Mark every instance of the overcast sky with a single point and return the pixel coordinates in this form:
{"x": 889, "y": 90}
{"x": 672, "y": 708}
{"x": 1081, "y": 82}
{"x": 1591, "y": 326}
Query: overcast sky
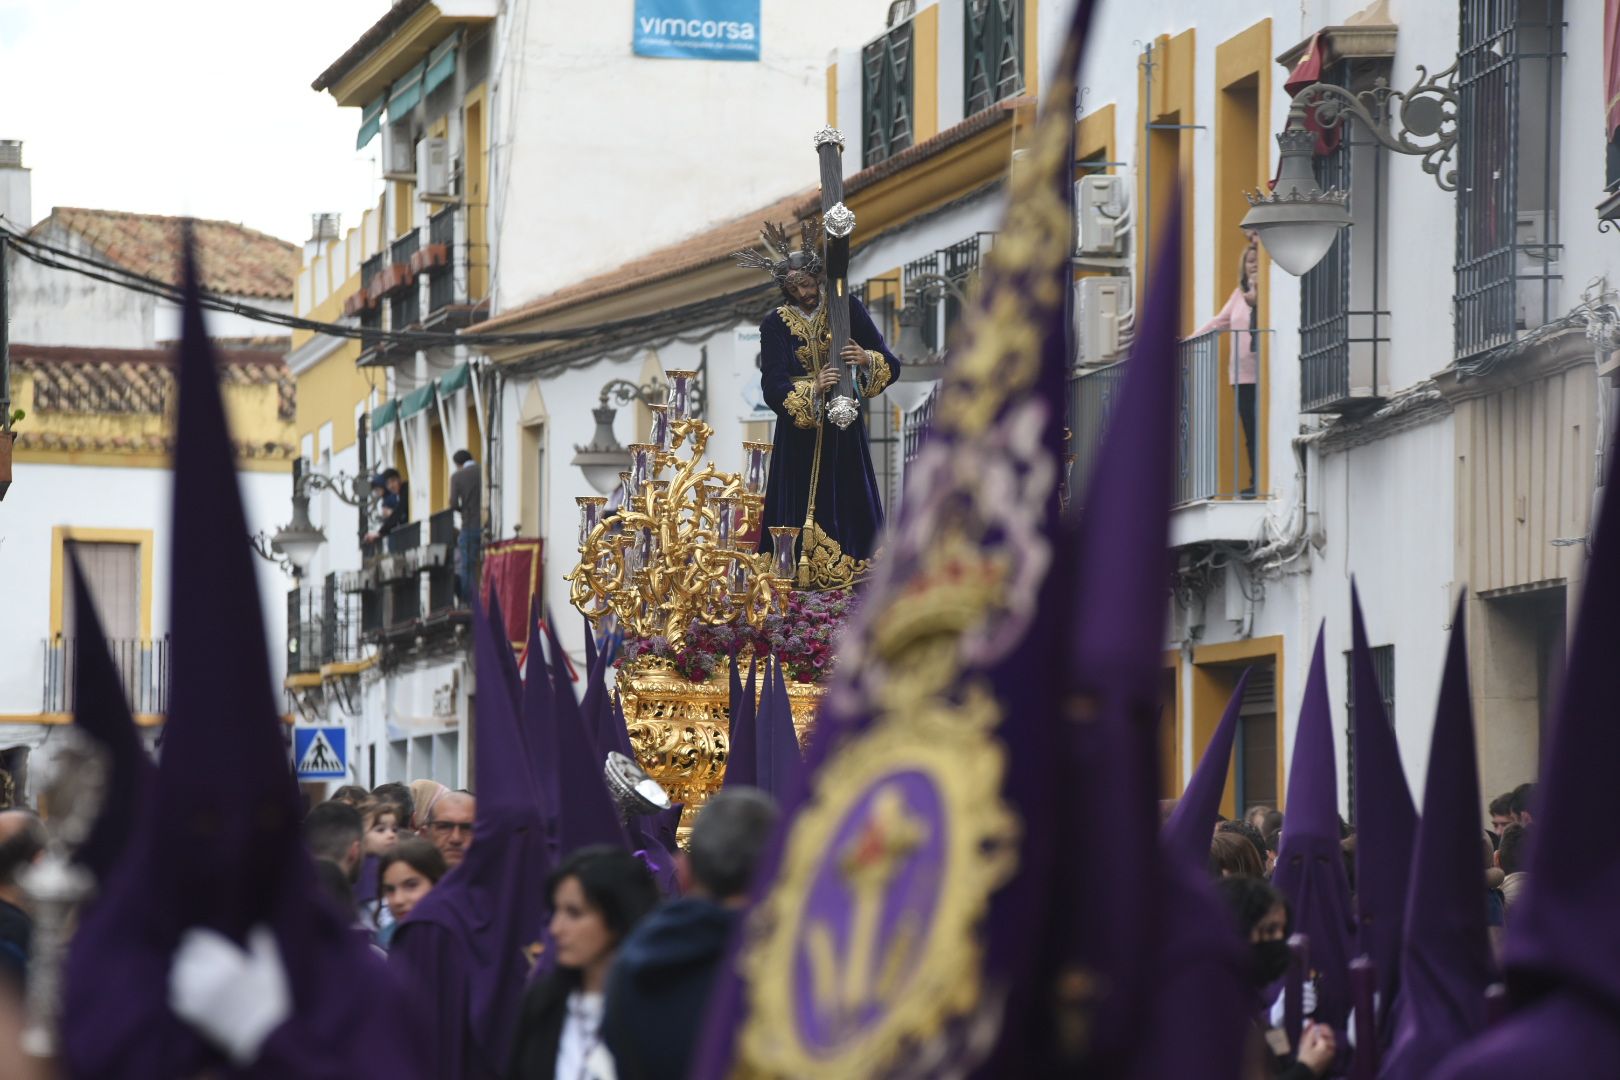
{"x": 198, "y": 107}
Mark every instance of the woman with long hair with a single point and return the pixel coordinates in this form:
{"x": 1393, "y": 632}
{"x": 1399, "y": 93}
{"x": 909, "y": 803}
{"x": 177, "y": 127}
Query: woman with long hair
{"x": 597, "y": 896}
{"x": 405, "y": 874}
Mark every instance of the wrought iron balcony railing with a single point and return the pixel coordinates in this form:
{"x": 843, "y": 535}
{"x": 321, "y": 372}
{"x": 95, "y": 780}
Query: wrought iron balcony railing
{"x": 143, "y": 669}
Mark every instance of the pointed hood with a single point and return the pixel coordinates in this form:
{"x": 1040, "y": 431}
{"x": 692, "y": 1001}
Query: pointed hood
{"x": 742, "y": 754}
{"x": 1310, "y": 862}
{"x": 933, "y": 773}
{"x": 100, "y": 711}
{"x": 1187, "y": 833}
{"x": 1386, "y": 823}
{"x": 1446, "y": 965}
{"x": 1564, "y": 926}
{"x": 490, "y": 910}
{"x": 1562, "y": 955}
{"x": 781, "y": 765}
{"x": 539, "y": 721}
{"x": 588, "y": 813}
{"x": 219, "y": 846}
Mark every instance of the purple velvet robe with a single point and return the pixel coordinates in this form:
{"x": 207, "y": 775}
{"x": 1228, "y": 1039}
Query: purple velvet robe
{"x": 848, "y": 508}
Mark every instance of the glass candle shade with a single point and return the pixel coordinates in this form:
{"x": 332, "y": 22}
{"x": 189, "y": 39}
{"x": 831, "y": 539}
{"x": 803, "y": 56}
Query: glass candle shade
{"x": 680, "y": 394}
{"x": 645, "y": 551}
{"x": 641, "y": 466}
{"x": 624, "y": 489}
{"x": 739, "y": 576}
{"x": 590, "y": 515}
{"x": 783, "y": 540}
{"x": 660, "y": 427}
{"x": 756, "y": 466}
{"x": 727, "y": 509}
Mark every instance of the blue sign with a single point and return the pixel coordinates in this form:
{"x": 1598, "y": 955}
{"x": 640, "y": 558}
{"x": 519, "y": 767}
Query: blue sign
{"x": 321, "y": 753}
{"x": 698, "y": 29}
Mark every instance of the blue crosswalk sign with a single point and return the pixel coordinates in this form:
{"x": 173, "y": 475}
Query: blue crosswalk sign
{"x": 321, "y": 753}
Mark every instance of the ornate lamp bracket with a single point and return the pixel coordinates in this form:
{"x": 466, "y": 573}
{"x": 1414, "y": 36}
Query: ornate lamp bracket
{"x": 1420, "y": 121}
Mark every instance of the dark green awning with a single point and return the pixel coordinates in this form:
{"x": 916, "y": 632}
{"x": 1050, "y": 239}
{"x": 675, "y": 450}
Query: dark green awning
{"x": 455, "y": 380}
{"x": 384, "y": 414}
{"x": 416, "y": 401}
{"x": 371, "y": 121}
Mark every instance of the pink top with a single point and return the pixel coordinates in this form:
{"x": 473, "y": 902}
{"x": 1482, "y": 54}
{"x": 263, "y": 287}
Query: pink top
{"x": 1237, "y": 315}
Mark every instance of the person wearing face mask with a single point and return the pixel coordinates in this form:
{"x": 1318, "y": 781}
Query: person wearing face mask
{"x": 405, "y": 874}
{"x": 1263, "y": 918}
{"x": 598, "y": 895}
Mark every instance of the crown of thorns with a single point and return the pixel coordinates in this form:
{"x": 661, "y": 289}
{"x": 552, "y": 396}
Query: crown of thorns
{"x": 779, "y": 242}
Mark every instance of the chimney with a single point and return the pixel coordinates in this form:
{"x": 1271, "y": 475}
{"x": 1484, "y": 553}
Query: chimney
{"x": 16, "y": 203}
{"x": 323, "y": 229}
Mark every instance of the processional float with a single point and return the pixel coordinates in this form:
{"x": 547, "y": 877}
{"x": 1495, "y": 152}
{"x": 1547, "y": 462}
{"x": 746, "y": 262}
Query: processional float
{"x": 675, "y": 552}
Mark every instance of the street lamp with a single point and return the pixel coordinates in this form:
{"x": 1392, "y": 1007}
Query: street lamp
{"x": 295, "y": 543}
{"x": 920, "y": 366}
{"x": 603, "y": 458}
{"x": 1297, "y": 221}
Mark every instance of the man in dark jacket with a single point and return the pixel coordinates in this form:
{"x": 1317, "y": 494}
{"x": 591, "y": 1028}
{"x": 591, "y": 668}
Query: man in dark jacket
{"x": 659, "y": 988}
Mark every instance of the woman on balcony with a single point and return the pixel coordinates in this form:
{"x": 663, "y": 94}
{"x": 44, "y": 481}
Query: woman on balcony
{"x": 1239, "y": 316}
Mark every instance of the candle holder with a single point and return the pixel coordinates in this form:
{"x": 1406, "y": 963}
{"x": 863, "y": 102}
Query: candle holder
{"x": 756, "y": 467}
{"x": 680, "y": 394}
{"x": 676, "y": 551}
{"x": 783, "y": 540}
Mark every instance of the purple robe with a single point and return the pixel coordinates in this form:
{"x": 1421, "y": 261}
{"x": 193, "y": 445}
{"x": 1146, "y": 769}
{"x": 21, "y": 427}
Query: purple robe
{"x": 216, "y": 844}
{"x": 848, "y": 508}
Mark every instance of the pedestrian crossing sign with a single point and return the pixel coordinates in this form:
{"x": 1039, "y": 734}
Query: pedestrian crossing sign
{"x": 321, "y": 753}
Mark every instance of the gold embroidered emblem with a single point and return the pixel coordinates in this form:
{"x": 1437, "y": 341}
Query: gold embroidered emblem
{"x": 800, "y": 404}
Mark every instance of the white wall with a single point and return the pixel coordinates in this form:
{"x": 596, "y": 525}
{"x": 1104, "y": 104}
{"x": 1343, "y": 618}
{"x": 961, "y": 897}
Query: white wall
{"x": 45, "y": 496}
{"x": 58, "y": 307}
{"x": 603, "y": 156}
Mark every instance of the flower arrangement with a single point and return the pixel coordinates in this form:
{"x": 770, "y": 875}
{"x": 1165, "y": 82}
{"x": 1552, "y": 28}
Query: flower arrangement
{"x": 802, "y": 640}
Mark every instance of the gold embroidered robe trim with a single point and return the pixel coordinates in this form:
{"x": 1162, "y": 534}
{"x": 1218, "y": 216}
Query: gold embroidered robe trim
{"x": 830, "y": 568}
{"x": 800, "y": 403}
{"x": 878, "y": 374}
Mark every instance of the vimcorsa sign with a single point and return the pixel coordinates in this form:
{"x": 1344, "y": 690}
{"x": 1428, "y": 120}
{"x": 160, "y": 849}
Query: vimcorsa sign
{"x": 697, "y": 29}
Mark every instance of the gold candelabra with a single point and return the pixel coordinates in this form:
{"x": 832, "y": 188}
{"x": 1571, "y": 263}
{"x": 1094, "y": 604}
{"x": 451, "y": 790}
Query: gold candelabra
{"x": 678, "y": 546}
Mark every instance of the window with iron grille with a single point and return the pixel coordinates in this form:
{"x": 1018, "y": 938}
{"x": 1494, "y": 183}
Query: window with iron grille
{"x": 920, "y": 293}
{"x": 1509, "y": 76}
{"x": 1383, "y": 662}
{"x": 995, "y": 52}
{"x": 1343, "y": 324}
{"x": 886, "y": 95}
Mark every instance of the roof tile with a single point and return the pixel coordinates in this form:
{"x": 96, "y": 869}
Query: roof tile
{"x": 234, "y": 259}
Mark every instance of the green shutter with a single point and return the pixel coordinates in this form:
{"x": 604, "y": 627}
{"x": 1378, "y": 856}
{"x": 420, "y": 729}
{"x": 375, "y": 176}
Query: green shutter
{"x": 416, "y": 401}
{"x": 455, "y": 380}
{"x": 371, "y": 121}
{"x": 441, "y": 63}
{"x": 384, "y": 414}
{"x": 405, "y": 93}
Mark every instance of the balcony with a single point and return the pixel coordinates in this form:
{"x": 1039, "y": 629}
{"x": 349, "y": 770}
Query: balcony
{"x": 442, "y": 291}
{"x": 389, "y": 602}
{"x": 405, "y": 298}
{"x": 143, "y": 669}
{"x": 1219, "y": 436}
{"x": 323, "y": 628}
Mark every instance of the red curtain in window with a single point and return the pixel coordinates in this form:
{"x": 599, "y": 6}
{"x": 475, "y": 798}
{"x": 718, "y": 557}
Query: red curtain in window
{"x": 1305, "y": 73}
{"x": 1611, "y": 63}
{"x": 512, "y": 573}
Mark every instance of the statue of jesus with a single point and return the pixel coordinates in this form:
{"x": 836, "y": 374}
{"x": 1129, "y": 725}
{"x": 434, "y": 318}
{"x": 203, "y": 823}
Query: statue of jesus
{"x": 821, "y": 479}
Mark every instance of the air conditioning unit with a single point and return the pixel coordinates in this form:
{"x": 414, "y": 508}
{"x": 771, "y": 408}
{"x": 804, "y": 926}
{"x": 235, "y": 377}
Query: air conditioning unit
{"x": 433, "y": 167}
{"x": 401, "y": 162}
{"x": 1103, "y": 206}
{"x": 1103, "y": 315}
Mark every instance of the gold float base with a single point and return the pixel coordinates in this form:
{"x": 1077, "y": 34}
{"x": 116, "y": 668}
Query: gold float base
{"x": 679, "y": 728}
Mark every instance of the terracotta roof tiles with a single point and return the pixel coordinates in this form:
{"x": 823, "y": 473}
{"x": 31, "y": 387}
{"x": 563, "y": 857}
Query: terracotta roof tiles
{"x": 234, "y": 259}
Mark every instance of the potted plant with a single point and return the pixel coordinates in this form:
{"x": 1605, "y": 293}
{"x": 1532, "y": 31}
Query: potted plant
{"x": 7, "y": 438}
